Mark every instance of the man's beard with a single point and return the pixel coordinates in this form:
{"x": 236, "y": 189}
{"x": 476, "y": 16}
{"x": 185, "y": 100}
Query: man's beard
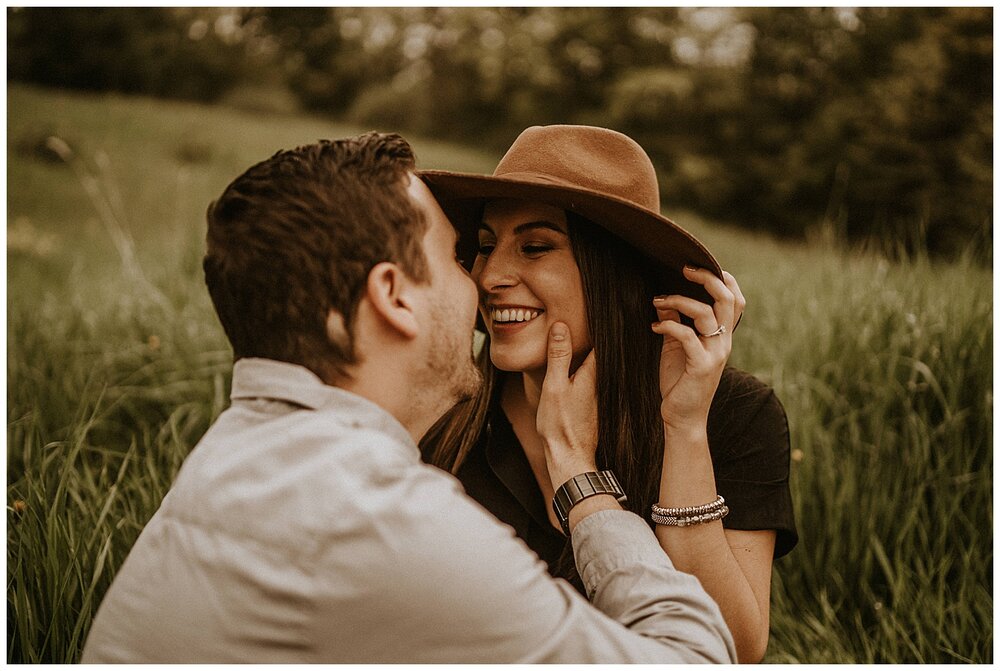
{"x": 450, "y": 365}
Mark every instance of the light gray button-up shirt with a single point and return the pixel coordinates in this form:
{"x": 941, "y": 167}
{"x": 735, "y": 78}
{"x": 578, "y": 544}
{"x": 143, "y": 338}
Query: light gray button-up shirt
{"x": 305, "y": 528}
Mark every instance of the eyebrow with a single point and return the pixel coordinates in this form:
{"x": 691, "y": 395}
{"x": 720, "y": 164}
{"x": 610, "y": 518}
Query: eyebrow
{"x": 529, "y": 226}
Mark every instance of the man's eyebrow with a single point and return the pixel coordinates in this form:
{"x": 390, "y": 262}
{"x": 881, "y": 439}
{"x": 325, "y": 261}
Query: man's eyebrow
{"x": 529, "y": 226}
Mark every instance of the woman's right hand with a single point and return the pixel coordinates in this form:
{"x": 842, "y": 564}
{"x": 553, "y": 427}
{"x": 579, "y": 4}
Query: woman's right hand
{"x": 567, "y": 410}
{"x": 692, "y": 359}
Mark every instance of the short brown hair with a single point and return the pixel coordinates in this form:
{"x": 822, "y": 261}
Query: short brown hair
{"x": 295, "y": 236}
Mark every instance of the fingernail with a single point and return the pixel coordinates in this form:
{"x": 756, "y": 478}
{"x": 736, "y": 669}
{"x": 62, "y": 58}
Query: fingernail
{"x": 690, "y": 269}
{"x": 558, "y": 331}
{"x": 660, "y": 299}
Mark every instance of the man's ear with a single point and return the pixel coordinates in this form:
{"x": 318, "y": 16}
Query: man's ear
{"x": 390, "y": 292}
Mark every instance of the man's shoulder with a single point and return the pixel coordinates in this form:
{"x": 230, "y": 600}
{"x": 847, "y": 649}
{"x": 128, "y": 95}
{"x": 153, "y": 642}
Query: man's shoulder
{"x": 284, "y": 477}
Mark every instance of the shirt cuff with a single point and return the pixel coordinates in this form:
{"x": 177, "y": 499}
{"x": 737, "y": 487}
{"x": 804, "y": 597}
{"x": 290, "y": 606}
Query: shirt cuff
{"x": 608, "y": 540}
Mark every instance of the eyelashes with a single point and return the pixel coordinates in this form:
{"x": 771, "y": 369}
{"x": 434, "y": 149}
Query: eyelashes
{"x": 535, "y": 249}
{"x": 529, "y": 249}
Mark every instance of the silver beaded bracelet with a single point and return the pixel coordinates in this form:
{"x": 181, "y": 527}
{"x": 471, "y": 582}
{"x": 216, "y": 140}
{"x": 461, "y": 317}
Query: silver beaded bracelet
{"x": 682, "y": 517}
{"x": 693, "y": 510}
{"x": 673, "y": 521}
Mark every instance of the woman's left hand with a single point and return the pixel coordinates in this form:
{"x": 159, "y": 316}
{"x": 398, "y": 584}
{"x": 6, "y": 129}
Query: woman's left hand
{"x": 692, "y": 360}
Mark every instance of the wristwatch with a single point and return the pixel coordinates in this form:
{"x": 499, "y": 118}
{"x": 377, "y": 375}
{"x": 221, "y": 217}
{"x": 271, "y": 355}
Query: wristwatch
{"x": 581, "y": 486}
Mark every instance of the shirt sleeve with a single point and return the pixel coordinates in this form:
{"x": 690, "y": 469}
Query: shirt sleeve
{"x": 431, "y": 577}
{"x": 749, "y": 440}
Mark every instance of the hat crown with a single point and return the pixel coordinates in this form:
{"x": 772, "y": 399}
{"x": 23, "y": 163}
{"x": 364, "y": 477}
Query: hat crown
{"x": 584, "y": 157}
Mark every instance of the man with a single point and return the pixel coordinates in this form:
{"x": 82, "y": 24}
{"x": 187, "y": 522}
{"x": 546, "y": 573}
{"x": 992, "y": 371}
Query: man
{"x": 304, "y": 526}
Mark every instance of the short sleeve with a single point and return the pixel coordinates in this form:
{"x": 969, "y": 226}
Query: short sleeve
{"x": 749, "y": 441}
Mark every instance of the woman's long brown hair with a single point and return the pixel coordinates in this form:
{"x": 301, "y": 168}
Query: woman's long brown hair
{"x": 618, "y": 287}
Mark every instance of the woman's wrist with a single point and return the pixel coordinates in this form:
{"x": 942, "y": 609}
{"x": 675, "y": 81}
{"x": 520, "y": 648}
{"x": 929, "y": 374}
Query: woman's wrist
{"x": 564, "y": 463}
{"x": 562, "y": 474}
{"x": 685, "y": 434}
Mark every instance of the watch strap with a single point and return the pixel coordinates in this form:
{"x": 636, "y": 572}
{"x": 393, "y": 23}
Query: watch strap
{"x": 580, "y": 487}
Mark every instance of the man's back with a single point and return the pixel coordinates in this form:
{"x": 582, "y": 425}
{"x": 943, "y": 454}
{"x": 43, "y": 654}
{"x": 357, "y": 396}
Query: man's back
{"x": 289, "y": 527}
{"x": 224, "y": 571}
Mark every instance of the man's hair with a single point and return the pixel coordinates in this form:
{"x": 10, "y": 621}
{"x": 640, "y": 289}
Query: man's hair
{"x": 296, "y": 236}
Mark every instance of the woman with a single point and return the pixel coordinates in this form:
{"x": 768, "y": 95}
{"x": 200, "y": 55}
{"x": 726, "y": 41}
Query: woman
{"x": 568, "y": 229}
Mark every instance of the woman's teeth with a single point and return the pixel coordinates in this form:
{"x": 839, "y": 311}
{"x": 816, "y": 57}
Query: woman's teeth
{"x": 501, "y": 316}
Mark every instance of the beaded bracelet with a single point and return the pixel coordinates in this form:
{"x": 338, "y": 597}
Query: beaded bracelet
{"x": 694, "y": 510}
{"x": 685, "y": 516}
{"x": 673, "y": 521}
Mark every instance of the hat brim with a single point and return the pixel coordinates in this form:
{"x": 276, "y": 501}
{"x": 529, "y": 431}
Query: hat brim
{"x": 653, "y": 236}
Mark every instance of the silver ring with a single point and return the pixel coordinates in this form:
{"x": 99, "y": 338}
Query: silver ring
{"x": 716, "y": 332}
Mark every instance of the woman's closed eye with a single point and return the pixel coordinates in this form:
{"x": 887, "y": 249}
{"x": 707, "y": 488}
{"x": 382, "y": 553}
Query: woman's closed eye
{"x": 530, "y": 249}
{"x": 535, "y": 248}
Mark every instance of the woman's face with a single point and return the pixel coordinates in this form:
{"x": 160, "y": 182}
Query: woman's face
{"x": 528, "y": 279}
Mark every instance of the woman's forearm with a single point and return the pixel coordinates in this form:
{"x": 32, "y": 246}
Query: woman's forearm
{"x": 703, "y": 550}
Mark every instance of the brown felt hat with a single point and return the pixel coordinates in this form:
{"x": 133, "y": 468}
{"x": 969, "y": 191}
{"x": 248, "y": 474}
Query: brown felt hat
{"x": 598, "y": 173}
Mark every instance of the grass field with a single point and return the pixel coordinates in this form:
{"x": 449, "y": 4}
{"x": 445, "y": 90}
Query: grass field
{"x": 116, "y": 365}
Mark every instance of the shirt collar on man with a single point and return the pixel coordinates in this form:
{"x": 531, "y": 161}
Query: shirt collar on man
{"x": 256, "y": 378}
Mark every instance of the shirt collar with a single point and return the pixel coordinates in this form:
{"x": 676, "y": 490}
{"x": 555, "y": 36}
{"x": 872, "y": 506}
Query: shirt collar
{"x": 297, "y": 385}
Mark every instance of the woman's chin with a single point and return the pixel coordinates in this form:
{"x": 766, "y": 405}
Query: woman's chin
{"x": 511, "y": 362}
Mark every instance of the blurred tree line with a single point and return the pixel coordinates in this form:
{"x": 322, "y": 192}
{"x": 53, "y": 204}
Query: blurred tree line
{"x": 866, "y": 124}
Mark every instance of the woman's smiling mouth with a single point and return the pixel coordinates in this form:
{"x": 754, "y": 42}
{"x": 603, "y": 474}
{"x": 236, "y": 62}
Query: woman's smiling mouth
{"x": 509, "y": 319}
{"x": 513, "y": 315}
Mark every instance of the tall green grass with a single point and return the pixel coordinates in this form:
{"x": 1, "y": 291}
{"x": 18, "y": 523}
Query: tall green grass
{"x": 116, "y": 366}
{"x": 886, "y": 373}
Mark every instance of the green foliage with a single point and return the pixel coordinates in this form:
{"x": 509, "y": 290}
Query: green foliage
{"x": 117, "y": 365}
{"x": 160, "y": 51}
{"x": 872, "y": 124}
{"x": 319, "y": 64}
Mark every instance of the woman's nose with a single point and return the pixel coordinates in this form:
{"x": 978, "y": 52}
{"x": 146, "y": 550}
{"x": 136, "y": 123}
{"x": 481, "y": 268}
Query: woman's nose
{"x": 494, "y": 271}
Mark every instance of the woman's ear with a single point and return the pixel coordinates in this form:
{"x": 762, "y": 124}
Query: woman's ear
{"x": 390, "y": 292}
